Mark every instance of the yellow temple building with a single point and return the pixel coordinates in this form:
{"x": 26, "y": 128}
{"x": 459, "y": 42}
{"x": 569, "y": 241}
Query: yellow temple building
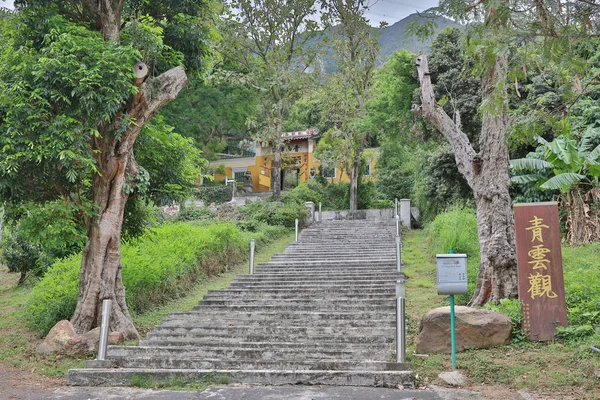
{"x": 298, "y": 164}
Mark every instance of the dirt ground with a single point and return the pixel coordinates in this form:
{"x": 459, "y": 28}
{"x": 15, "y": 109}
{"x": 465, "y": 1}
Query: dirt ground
{"x": 20, "y": 385}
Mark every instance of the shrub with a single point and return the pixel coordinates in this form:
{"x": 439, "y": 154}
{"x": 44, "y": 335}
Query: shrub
{"x": 214, "y": 194}
{"x": 158, "y": 266}
{"x": 302, "y": 194}
{"x": 20, "y": 255}
{"x": 274, "y": 213}
{"x": 512, "y": 309}
{"x": 456, "y": 229}
{"x": 192, "y": 213}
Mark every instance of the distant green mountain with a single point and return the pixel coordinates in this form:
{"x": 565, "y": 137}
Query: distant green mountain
{"x": 394, "y": 37}
{"x": 391, "y": 38}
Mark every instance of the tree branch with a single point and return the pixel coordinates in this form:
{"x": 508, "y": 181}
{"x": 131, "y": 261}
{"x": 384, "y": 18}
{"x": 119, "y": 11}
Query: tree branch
{"x": 156, "y": 93}
{"x": 429, "y": 110}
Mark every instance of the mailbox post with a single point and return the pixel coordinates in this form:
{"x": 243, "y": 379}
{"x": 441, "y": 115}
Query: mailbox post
{"x": 451, "y": 280}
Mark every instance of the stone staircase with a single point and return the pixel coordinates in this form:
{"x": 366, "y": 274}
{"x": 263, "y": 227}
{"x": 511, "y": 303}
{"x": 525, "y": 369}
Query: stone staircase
{"x": 320, "y": 313}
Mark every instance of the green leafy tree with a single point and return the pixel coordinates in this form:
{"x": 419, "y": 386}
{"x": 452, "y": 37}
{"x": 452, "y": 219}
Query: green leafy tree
{"x": 497, "y": 30}
{"x": 575, "y": 166}
{"x": 213, "y": 113}
{"x": 268, "y": 39}
{"x": 81, "y": 79}
{"x": 355, "y": 53}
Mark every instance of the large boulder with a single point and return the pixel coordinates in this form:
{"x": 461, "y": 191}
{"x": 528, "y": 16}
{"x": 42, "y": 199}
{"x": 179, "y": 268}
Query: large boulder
{"x": 63, "y": 339}
{"x": 475, "y": 329}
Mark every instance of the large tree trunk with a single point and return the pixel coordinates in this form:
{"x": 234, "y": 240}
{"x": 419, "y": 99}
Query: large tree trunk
{"x": 487, "y": 174}
{"x": 100, "y": 276}
{"x": 583, "y": 225}
{"x": 354, "y": 185}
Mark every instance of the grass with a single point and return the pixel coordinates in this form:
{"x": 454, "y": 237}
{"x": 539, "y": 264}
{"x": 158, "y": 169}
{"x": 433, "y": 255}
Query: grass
{"x": 174, "y": 383}
{"x": 564, "y": 369}
{"x": 17, "y": 343}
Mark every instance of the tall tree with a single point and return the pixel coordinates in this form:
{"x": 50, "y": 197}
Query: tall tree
{"x": 270, "y": 38}
{"x": 78, "y": 101}
{"x": 355, "y": 53}
{"x": 486, "y": 171}
{"x": 498, "y": 28}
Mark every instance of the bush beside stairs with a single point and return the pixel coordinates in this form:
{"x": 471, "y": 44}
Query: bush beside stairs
{"x": 320, "y": 313}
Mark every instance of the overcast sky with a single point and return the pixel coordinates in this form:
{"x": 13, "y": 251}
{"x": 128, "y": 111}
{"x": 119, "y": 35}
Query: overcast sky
{"x": 390, "y": 11}
{"x": 393, "y": 11}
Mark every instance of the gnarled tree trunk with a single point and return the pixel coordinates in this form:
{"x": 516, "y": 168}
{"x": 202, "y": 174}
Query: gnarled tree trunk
{"x": 487, "y": 174}
{"x": 100, "y": 276}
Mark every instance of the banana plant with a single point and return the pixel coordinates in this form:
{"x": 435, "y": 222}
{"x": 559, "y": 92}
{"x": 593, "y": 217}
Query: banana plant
{"x": 574, "y": 170}
{"x": 572, "y": 163}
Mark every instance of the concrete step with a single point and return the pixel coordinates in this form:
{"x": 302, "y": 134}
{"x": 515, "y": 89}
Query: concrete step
{"x": 354, "y": 283}
{"x": 272, "y": 343}
{"x": 227, "y": 315}
{"x": 390, "y": 307}
{"x": 352, "y": 302}
{"x": 276, "y": 364}
{"x": 247, "y": 353}
{"x": 276, "y": 330}
{"x": 184, "y": 322}
{"x": 193, "y": 338}
{"x": 285, "y": 294}
{"x": 321, "y": 312}
{"x": 311, "y": 275}
{"x": 123, "y": 377}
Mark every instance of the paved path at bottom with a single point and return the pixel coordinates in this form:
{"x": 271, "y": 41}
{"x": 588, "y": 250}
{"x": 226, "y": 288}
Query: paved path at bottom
{"x": 257, "y": 393}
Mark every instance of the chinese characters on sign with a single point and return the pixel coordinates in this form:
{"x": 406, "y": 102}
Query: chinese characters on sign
{"x": 539, "y": 258}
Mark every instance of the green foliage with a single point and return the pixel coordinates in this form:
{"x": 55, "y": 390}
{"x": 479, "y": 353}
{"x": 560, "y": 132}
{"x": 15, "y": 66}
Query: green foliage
{"x": 582, "y": 284}
{"x": 214, "y": 194}
{"x": 19, "y": 254}
{"x": 157, "y": 267}
{"x": 192, "y": 213}
{"x": 208, "y": 112}
{"x": 438, "y": 185}
{"x": 52, "y": 101}
{"x": 572, "y": 162}
{"x": 172, "y": 161}
{"x": 303, "y": 193}
{"x": 140, "y": 215}
{"x": 275, "y": 213}
{"x": 574, "y": 333}
{"x": 512, "y": 309}
{"x": 456, "y": 229}
{"x": 56, "y": 226}
{"x": 54, "y": 298}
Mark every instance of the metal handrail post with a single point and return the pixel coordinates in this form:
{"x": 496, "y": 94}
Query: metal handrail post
{"x": 106, "y": 308}
{"x": 252, "y": 244}
{"x": 400, "y": 330}
{"x": 398, "y": 255}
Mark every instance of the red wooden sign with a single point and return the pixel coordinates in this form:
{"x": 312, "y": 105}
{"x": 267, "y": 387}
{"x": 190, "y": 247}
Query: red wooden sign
{"x": 539, "y": 260}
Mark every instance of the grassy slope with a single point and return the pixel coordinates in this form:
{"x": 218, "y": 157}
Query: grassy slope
{"x": 17, "y": 344}
{"x": 566, "y": 368}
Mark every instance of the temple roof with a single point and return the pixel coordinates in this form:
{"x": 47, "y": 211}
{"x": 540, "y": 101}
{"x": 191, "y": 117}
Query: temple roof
{"x": 307, "y": 134}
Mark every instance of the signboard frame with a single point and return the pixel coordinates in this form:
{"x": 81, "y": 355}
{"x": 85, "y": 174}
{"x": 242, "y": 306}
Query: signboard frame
{"x": 540, "y": 273}
{"x": 451, "y": 274}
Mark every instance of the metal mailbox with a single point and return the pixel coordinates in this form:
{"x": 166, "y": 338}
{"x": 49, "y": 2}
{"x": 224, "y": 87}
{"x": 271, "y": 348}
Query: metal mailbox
{"x": 451, "y": 273}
